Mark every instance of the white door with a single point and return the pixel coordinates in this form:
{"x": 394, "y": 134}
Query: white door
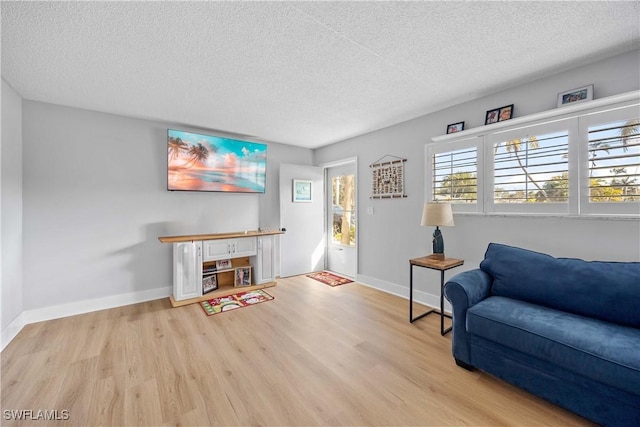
{"x": 342, "y": 256}
{"x": 302, "y": 245}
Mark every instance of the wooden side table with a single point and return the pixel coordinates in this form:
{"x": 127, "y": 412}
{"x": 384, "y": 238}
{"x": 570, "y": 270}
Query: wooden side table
{"x": 434, "y": 264}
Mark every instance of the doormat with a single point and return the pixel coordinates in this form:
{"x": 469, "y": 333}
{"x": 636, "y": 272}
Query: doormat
{"x": 231, "y": 302}
{"x": 329, "y": 278}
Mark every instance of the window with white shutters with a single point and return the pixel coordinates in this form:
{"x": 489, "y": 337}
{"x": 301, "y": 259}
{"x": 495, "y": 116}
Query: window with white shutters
{"x": 614, "y": 162}
{"x": 532, "y": 169}
{"x": 581, "y": 160}
{"x": 455, "y": 176}
{"x": 529, "y": 168}
{"x": 610, "y": 144}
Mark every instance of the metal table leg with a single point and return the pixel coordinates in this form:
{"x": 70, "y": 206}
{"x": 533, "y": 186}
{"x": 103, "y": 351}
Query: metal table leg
{"x": 411, "y": 318}
{"x": 443, "y": 331}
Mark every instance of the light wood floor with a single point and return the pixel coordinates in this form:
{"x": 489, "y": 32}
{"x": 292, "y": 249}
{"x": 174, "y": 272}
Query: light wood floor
{"x": 315, "y": 355}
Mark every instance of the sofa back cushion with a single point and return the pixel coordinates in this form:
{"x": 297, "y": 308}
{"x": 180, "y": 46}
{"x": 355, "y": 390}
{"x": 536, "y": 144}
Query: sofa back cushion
{"x": 608, "y": 291}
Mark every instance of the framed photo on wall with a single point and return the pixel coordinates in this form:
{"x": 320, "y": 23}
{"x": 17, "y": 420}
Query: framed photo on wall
{"x": 302, "y": 190}
{"x": 455, "y": 127}
{"x": 572, "y": 96}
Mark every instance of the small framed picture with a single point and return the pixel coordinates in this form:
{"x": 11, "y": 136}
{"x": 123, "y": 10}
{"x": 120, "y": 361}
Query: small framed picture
{"x": 492, "y": 116}
{"x": 209, "y": 283}
{"x": 498, "y": 114}
{"x": 506, "y": 113}
{"x": 223, "y": 264}
{"x": 242, "y": 276}
{"x": 575, "y": 95}
{"x": 455, "y": 127}
{"x": 301, "y": 190}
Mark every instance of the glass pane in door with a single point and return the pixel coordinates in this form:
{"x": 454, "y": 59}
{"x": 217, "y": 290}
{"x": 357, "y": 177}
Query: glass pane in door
{"x": 343, "y": 209}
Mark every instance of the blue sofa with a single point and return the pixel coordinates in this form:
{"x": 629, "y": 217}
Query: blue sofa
{"x": 564, "y": 329}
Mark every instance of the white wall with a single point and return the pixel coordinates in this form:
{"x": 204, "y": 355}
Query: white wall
{"x": 11, "y": 213}
{"x": 393, "y": 235}
{"x": 270, "y": 201}
{"x": 95, "y": 202}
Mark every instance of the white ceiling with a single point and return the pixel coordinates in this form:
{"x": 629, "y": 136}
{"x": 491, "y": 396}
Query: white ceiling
{"x": 300, "y": 73}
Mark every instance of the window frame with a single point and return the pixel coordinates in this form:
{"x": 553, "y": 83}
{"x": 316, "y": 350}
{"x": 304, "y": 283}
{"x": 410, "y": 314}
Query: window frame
{"x": 577, "y": 119}
{"x": 597, "y": 118}
{"x": 459, "y": 144}
{"x": 536, "y": 128}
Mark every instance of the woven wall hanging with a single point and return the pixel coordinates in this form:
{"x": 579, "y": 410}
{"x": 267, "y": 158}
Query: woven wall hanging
{"x": 388, "y": 178}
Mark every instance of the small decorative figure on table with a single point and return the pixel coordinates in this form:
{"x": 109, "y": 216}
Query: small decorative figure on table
{"x": 438, "y": 242}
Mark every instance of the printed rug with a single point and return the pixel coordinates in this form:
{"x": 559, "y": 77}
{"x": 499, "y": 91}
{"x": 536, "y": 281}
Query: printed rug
{"x": 231, "y": 302}
{"x": 329, "y": 278}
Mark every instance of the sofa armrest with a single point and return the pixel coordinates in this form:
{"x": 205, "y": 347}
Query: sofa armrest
{"x": 463, "y": 291}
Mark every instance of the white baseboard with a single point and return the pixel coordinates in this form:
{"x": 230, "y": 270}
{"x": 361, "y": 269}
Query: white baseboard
{"x": 87, "y": 306}
{"x": 79, "y": 307}
{"x": 10, "y": 332}
{"x": 95, "y": 304}
{"x": 421, "y": 297}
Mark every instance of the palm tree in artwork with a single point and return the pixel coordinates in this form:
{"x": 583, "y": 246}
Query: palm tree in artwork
{"x": 197, "y": 153}
{"x": 176, "y": 145}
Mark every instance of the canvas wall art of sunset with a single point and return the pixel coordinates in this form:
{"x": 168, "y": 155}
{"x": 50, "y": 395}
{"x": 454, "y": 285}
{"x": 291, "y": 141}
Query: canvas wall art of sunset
{"x": 199, "y": 162}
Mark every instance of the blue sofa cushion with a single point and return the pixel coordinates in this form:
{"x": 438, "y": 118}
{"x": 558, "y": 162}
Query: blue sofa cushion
{"x": 602, "y": 351}
{"x": 605, "y": 290}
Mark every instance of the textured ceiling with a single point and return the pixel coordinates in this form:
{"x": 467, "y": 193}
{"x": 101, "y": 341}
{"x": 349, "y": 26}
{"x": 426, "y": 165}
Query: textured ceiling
{"x": 300, "y": 73}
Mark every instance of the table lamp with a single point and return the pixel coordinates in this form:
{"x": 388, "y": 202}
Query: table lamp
{"x": 440, "y": 215}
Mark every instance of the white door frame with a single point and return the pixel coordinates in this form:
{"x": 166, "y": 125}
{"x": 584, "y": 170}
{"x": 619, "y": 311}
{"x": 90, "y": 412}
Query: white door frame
{"x": 327, "y": 226}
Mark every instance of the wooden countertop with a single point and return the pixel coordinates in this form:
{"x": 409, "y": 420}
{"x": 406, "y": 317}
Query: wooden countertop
{"x": 217, "y": 236}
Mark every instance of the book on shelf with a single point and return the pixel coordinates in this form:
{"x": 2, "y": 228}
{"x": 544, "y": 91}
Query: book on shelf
{"x": 209, "y": 269}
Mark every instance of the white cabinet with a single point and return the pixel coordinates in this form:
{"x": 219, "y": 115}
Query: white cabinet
{"x": 187, "y": 270}
{"x": 245, "y": 246}
{"x": 228, "y": 248}
{"x": 193, "y": 253}
{"x": 214, "y": 250}
{"x": 264, "y": 267}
